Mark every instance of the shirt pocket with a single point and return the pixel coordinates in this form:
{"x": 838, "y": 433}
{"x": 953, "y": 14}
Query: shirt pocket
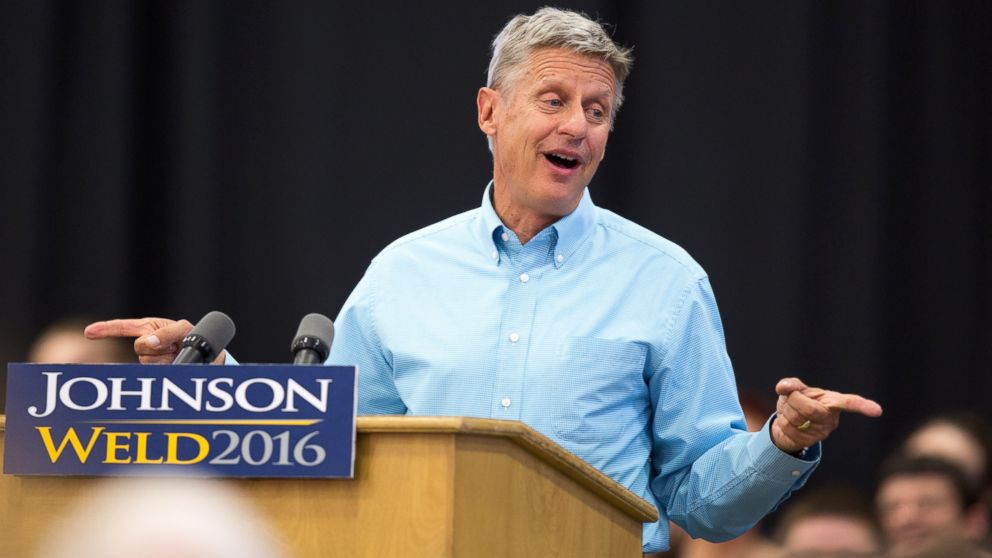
{"x": 607, "y": 393}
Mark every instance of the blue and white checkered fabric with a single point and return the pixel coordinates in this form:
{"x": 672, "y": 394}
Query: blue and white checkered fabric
{"x": 598, "y": 333}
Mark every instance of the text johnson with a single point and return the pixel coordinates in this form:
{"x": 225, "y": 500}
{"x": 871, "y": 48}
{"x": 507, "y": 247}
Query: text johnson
{"x": 213, "y": 395}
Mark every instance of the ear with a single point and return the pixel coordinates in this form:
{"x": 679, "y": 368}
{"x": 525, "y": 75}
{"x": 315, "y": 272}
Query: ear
{"x": 976, "y": 521}
{"x": 486, "y": 102}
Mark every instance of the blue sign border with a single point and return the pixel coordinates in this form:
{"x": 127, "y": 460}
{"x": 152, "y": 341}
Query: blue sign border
{"x": 251, "y": 420}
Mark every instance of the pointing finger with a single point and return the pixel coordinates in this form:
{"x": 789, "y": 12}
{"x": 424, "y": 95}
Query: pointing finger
{"x": 852, "y": 403}
{"x": 119, "y": 328}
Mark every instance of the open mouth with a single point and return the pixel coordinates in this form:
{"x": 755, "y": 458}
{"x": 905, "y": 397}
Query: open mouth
{"x": 561, "y": 161}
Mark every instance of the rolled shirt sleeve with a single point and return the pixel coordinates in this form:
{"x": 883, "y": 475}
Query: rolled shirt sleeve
{"x": 711, "y": 477}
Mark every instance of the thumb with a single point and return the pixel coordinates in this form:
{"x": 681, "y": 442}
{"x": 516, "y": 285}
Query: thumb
{"x": 785, "y": 386}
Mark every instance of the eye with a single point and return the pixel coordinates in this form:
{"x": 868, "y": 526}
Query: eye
{"x": 554, "y": 102}
{"x": 596, "y": 114}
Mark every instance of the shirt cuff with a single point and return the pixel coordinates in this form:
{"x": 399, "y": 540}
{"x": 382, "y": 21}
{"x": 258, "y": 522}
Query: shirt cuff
{"x": 780, "y": 467}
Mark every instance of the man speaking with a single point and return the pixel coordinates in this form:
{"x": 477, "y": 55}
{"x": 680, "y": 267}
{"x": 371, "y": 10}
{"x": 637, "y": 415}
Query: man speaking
{"x": 539, "y": 306}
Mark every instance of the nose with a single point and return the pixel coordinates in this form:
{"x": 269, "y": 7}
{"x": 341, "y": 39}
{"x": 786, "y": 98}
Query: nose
{"x": 573, "y": 122}
{"x": 903, "y": 516}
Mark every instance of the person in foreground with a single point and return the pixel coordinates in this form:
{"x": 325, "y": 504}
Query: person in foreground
{"x": 539, "y": 306}
{"x": 160, "y": 517}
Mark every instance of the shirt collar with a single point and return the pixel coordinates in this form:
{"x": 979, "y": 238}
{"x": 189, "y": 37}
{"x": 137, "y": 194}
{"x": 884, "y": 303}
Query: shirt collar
{"x": 572, "y": 229}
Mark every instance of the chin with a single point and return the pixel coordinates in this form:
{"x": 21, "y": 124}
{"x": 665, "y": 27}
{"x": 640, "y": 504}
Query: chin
{"x": 560, "y": 200}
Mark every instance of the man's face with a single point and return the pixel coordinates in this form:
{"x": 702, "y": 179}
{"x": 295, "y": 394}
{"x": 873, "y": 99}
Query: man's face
{"x": 549, "y": 127}
{"x": 919, "y": 510}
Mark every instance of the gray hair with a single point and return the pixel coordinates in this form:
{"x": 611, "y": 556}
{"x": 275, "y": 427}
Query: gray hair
{"x": 555, "y": 28}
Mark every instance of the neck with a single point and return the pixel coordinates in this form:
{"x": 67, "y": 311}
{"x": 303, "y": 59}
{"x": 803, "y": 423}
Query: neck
{"x": 523, "y": 221}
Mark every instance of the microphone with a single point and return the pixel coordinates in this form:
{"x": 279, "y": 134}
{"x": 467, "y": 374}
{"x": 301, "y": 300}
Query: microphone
{"x": 206, "y": 340}
{"x": 313, "y": 339}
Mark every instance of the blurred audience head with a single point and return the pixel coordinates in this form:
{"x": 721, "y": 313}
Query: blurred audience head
{"x": 963, "y": 438}
{"x": 923, "y": 502}
{"x": 826, "y": 554}
{"x": 161, "y": 518}
{"x": 831, "y": 520}
{"x": 948, "y": 547}
{"x": 63, "y": 342}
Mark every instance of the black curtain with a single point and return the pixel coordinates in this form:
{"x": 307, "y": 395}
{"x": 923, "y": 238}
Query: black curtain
{"x": 827, "y": 162}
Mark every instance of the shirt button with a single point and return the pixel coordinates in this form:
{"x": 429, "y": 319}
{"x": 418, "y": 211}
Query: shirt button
{"x": 505, "y": 402}
{"x": 524, "y": 277}
{"x": 514, "y": 337}
{"x": 559, "y": 258}
{"x": 795, "y": 473}
{"x": 505, "y": 237}
{"x": 495, "y": 254}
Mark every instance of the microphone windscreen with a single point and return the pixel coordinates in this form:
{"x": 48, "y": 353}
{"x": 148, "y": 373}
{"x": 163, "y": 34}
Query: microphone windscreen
{"x": 216, "y": 328}
{"x": 315, "y": 326}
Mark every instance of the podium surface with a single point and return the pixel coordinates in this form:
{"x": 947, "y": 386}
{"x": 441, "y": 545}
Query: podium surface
{"x": 423, "y": 486}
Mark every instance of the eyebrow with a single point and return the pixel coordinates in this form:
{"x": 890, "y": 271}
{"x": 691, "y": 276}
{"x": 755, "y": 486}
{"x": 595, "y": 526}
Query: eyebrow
{"x": 601, "y": 94}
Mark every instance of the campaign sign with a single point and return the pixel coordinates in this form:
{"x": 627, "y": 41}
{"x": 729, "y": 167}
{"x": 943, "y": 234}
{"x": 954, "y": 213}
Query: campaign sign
{"x": 232, "y": 421}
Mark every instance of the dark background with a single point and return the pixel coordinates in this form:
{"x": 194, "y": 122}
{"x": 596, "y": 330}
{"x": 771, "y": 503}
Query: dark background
{"x": 827, "y": 162}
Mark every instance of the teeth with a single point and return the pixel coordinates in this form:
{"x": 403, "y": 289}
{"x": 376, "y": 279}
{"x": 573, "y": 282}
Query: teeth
{"x": 566, "y": 157}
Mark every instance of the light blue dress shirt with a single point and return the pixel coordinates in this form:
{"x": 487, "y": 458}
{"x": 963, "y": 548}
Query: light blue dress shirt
{"x": 597, "y": 332}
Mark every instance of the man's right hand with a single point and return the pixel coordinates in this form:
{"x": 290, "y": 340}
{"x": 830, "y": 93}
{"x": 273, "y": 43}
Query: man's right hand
{"x": 157, "y": 340}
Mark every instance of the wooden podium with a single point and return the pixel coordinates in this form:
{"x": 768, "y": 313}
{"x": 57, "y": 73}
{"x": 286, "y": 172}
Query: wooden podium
{"x": 424, "y": 486}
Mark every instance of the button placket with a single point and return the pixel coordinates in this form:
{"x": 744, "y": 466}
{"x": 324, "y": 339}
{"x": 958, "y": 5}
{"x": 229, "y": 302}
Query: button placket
{"x": 528, "y": 262}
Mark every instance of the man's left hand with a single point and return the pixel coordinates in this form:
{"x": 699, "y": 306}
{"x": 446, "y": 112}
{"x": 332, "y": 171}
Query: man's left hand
{"x": 807, "y": 415}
